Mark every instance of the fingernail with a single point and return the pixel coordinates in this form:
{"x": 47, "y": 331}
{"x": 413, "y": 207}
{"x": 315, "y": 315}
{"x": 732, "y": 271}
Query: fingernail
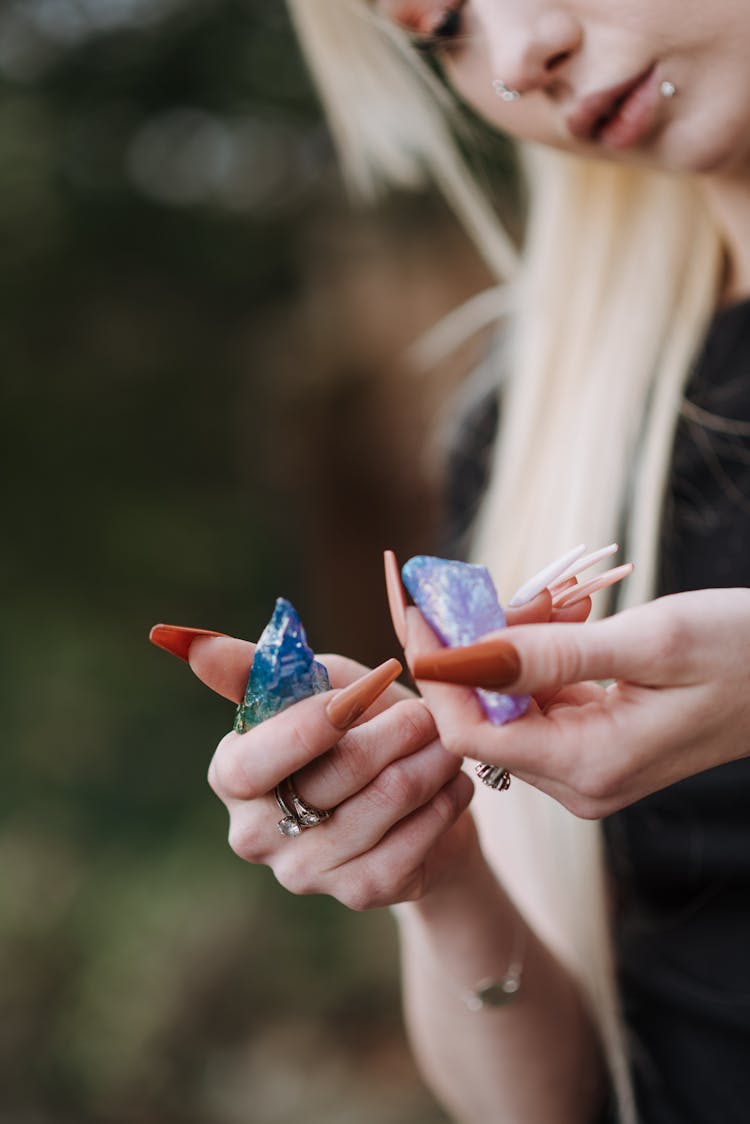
{"x": 560, "y": 586}
{"x": 587, "y": 562}
{"x": 347, "y": 705}
{"x": 534, "y": 586}
{"x": 579, "y": 592}
{"x": 176, "y": 640}
{"x": 396, "y": 597}
{"x": 492, "y": 664}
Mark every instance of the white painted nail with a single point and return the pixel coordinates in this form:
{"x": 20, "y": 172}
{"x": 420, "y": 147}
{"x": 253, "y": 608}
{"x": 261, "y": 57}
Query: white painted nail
{"x": 587, "y": 562}
{"x": 579, "y": 592}
{"x": 534, "y": 586}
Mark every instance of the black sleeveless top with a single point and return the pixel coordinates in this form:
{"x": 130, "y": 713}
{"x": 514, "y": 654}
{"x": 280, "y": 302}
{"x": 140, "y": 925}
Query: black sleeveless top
{"x": 680, "y": 858}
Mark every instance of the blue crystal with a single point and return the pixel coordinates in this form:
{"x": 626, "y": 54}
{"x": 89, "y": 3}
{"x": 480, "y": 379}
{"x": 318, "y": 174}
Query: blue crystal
{"x": 284, "y": 670}
{"x": 460, "y": 602}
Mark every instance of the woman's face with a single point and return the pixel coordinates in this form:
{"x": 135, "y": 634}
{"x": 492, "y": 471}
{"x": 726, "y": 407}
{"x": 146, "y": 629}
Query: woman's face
{"x": 594, "y": 76}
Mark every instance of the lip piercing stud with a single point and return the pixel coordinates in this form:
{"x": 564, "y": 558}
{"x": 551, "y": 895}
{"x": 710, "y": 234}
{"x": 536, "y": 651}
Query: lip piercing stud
{"x": 667, "y": 89}
{"x": 504, "y": 91}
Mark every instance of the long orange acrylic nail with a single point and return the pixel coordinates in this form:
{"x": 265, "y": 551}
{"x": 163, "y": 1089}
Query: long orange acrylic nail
{"x": 491, "y": 664}
{"x": 351, "y": 702}
{"x": 176, "y": 639}
{"x": 396, "y": 596}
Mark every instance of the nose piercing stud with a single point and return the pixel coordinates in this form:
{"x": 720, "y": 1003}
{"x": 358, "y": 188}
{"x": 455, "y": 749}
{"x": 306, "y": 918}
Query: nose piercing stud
{"x": 667, "y": 89}
{"x": 504, "y": 91}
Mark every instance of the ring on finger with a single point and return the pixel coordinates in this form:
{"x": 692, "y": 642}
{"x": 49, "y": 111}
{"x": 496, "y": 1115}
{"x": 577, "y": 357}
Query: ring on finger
{"x": 307, "y": 815}
{"x": 288, "y": 825}
{"x": 494, "y": 776}
{"x": 297, "y": 813}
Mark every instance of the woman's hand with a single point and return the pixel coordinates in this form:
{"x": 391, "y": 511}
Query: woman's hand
{"x": 397, "y": 827}
{"x": 680, "y": 702}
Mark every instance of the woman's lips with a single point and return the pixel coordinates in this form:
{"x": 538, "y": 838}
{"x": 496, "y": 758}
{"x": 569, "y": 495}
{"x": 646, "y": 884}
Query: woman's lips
{"x": 619, "y": 116}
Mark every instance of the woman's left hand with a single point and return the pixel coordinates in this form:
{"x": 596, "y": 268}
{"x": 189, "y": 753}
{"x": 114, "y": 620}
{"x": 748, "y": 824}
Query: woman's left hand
{"x": 679, "y": 703}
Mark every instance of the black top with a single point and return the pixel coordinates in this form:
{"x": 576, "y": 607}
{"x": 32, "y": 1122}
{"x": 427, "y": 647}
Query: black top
{"x": 681, "y": 857}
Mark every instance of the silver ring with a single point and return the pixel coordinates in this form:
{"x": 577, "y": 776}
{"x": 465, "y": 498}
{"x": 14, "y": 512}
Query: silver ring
{"x": 298, "y": 815}
{"x": 307, "y": 815}
{"x": 505, "y": 92}
{"x": 494, "y": 776}
{"x": 288, "y": 825}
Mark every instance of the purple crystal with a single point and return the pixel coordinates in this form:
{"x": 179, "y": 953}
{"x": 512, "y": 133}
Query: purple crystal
{"x": 460, "y": 602}
{"x": 284, "y": 670}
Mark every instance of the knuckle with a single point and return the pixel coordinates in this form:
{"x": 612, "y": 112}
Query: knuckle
{"x": 245, "y": 840}
{"x": 414, "y": 726}
{"x": 458, "y": 742}
{"x": 413, "y": 886}
{"x": 362, "y": 893}
{"x": 343, "y": 762}
{"x": 295, "y": 877}
{"x": 212, "y": 778}
{"x": 446, "y": 804}
{"x": 564, "y": 661}
{"x": 227, "y": 773}
{"x": 407, "y": 725}
{"x": 354, "y": 898}
{"x": 396, "y": 786}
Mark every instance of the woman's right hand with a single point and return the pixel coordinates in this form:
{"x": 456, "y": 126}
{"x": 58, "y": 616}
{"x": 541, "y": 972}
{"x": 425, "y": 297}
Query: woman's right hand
{"x": 397, "y": 829}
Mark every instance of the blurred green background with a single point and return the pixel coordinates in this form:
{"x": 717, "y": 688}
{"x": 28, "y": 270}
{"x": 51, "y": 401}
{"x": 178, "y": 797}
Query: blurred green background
{"x": 204, "y": 406}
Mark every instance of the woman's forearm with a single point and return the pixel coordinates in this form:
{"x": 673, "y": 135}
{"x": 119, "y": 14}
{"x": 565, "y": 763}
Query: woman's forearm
{"x": 534, "y": 1061}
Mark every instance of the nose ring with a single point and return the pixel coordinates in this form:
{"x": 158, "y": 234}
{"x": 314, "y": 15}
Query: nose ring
{"x": 504, "y": 91}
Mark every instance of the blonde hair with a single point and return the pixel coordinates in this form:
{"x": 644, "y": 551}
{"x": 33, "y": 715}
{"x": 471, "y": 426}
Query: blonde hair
{"x": 609, "y": 300}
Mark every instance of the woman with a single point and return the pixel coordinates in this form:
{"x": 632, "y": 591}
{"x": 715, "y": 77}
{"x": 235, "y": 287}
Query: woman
{"x": 633, "y": 122}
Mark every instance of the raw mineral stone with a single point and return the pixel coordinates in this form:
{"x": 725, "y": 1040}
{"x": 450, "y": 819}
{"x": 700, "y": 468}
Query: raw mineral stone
{"x": 284, "y": 670}
{"x": 460, "y": 603}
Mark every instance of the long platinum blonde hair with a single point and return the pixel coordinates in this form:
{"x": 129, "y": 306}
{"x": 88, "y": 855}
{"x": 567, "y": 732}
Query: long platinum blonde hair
{"x": 609, "y": 297}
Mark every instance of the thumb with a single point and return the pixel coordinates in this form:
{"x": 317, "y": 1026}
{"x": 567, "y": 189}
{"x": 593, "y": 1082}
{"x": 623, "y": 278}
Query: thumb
{"x": 223, "y": 664}
{"x": 553, "y": 655}
{"x": 535, "y": 658}
{"x": 219, "y": 661}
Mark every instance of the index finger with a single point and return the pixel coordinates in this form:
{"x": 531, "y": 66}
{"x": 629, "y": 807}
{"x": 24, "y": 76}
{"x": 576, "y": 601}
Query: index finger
{"x": 250, "y": 765}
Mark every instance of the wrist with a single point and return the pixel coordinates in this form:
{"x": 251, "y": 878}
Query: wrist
{"x": 470, "y": 933}
{"x": 464, "y": 878}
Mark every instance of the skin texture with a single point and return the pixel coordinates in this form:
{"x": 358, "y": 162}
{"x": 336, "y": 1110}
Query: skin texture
{"x": 557, "y": 53}
{"x": 398, "y": 793}
{"x": 402, "y": 831}
{"x": 679, "y": 704}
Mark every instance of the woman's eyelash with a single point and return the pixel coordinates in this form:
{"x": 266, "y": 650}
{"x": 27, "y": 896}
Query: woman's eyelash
{"x": 449, "y": 28}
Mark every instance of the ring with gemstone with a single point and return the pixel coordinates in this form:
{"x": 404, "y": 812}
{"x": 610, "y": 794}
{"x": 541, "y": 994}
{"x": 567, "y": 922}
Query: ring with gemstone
{"x": 297, "y": 813}
{"x": 288, "y": 825}
{"x": 494, "y": 776}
